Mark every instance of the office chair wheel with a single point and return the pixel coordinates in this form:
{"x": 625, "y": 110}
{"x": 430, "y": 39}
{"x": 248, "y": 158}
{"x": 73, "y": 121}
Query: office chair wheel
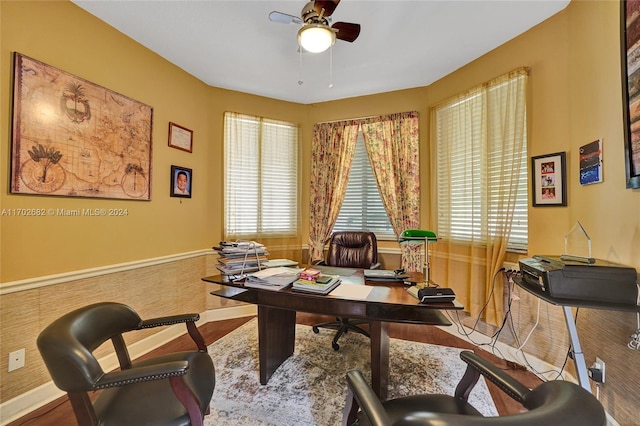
{"x": 315, "y": 329}
{"x": 335, "y": 346}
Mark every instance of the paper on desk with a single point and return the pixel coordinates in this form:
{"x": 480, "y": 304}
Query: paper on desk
{"x": 352, "y": 291}
{"x": 275, "y": 263}
{"x": 270, "y": 272}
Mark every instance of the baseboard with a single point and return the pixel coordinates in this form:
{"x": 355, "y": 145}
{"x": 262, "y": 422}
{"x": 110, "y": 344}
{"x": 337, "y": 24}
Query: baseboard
{"x": 35, "y": 398}
{"x": 230, "y": 313}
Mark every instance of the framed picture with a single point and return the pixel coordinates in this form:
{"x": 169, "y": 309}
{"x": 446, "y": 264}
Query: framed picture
{"x": 180, "y": 137}
{"x": 181, "y": 182}
{"x": 630, "y": 55}
{"x": 74, "y": 138}
{"x": 549, "y": 180}
{"x": 591, "y": 163}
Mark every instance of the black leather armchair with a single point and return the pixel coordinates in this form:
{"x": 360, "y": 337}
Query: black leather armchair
{"x": 555, "y": 402}
{"x": 350, "y": 249}
{"x": 173, "y": 389}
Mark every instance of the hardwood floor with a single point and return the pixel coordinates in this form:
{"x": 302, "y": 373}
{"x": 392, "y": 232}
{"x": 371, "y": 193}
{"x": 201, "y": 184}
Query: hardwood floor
{"x": 59, "y": 412}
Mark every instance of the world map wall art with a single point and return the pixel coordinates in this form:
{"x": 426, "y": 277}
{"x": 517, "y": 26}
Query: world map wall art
{"x": 74, "y": 138}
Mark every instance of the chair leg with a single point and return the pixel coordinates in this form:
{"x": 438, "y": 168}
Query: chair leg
{"x": 83, "y": 408}
{"x": 340, "y": 332}
{"x": 352, "y": 326}
{"x": 346, "y": 326}
{"x": 332, "y": 324}
{"x": 188, "y": 400}
{"x": 343, "y": 325}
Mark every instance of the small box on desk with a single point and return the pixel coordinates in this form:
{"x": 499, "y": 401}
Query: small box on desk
{"x": 436, "y": 295}
{"x": 432, "y": 294}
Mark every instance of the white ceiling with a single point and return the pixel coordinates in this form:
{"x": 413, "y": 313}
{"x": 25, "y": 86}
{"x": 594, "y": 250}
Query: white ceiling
{"x": 402, "y": 44}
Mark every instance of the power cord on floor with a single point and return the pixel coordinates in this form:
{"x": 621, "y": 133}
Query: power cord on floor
{"x": 540, "y": 374}
{"x": 494, "y": 339}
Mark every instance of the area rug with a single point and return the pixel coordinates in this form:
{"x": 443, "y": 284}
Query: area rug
{"x": 310, "y": 387}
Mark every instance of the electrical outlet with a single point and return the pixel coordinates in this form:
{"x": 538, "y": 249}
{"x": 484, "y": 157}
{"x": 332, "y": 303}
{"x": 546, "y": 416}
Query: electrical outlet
{"x": 597, "y": 370}
{"x": 511, "y": 266}
{"x": 16, "y": 359}
{"x": 600, "y": 364}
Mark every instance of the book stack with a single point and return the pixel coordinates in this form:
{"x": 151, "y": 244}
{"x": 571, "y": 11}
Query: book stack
{"x": 314, "y": 281}
{"x": 240, "y": 257}
{"x": 310, "y": 275}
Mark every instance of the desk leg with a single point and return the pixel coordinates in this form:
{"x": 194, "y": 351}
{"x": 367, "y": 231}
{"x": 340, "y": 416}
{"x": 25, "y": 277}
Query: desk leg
{"x": 379, "y": 332}
{"x": 578, "y": 356}
{"x": 276, "y": 338}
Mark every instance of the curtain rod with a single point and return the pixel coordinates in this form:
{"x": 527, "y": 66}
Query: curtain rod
{"x": 347, "y": 119}
{"x": 362, "y": 118}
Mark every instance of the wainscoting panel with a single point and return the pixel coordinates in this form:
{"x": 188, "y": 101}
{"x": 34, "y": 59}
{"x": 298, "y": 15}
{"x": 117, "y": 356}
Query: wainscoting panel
{"x": 154, "y": 288}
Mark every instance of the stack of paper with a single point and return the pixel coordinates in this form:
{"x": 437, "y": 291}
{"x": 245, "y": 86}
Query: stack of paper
{"x": 240, "y": 257}
{"x": 322, "y": 285}
{"x": 274, "y": 263}
{"x": 272, "y": 278}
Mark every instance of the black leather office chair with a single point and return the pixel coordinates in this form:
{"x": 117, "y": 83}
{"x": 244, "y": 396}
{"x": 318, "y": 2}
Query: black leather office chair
{"x": 350, "y": 249}
{"x": 552, "y": 403}
{"x": 173, "y": 389}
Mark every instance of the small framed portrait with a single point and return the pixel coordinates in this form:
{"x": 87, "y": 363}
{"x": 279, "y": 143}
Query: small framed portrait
{"x": 181, "y": 182}
{"x": 549, "y": 180}
{"x": 591, "y": 163}
{"x": 180, "y": 137}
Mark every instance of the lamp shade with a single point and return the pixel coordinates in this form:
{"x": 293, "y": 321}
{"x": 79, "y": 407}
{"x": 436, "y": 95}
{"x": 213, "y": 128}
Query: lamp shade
{"x": 316, "y": 38}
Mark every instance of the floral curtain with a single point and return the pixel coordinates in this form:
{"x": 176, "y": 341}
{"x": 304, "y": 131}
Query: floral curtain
{"x": 392, "y": 143}
{"x": 332, "y": 149}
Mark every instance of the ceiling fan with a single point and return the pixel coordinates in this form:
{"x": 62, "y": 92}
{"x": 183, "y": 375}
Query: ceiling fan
{"x": 316, "y": 35}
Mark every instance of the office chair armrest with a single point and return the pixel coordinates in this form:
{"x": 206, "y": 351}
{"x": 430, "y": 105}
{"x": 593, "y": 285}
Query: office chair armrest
{"x": 505, "y": 382}
{"x": 168, "y": 320}
{"x": 189, "y": 319}
{"x": 366, "y": 399}
{"x": 142, "y": 374}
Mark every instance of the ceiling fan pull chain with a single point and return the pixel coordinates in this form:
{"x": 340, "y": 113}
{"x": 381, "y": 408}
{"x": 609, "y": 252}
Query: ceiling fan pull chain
{"x": 300, "y": 82}
{"x": 330, "y": 67}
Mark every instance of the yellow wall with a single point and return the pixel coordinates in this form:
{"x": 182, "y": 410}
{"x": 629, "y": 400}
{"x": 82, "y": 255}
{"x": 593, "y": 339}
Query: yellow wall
{"x": 65, "y": 36}
{"x": 609, "y": 212}
{"x": 575, "y": 97}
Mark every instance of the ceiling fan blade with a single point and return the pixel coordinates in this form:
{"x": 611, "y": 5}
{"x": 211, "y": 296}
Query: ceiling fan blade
{"x": 328, "y": 6}
{"x": 284, "y": 18}
{"x": 346, "y": 31}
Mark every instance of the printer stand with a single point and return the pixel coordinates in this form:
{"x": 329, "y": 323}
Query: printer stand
{"x": 567, "y": 304}
{"x": 578, "y": 356}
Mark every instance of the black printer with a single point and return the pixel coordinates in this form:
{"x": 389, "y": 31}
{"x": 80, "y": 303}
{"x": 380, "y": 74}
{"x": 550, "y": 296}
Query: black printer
{"x": 599, "y": 281}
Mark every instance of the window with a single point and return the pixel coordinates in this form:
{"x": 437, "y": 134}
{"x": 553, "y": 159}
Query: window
{"x": 481, "y": 158}
{"x": 362, "y": 208}
{"x": 261, "y": 177}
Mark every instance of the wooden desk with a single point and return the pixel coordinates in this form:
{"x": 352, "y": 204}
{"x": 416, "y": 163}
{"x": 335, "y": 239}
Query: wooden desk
{"x": 387, "y": 302}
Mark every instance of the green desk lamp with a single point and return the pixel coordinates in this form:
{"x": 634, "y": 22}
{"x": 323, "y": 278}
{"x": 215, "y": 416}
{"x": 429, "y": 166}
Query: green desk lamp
{"x": 424, "y": 236}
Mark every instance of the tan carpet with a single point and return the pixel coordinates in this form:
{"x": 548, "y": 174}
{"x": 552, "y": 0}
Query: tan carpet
{"x": 310, "y": 387}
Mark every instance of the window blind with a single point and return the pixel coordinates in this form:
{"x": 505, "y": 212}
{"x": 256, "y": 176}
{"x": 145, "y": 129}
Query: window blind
{"x": 479, "y": 161}
{"x": 362, "y": 208}
{"x": 261, "y": 176}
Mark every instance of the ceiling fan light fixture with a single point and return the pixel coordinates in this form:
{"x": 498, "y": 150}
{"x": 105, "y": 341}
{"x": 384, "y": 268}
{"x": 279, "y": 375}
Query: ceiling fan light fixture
{"x": 316, "y": 38}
